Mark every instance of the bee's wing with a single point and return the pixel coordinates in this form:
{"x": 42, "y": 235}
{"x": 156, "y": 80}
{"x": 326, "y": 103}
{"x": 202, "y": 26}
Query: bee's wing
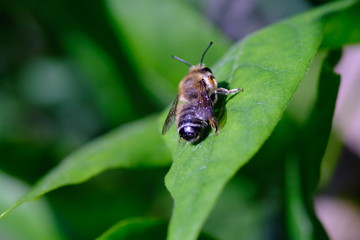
{"x": 204, "y": 102}
{"x": 171, "y": 116}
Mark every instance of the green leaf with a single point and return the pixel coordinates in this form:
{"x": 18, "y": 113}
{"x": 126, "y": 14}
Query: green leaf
{"x": 269, "y": 65}
{"x": 31, "y": 222}
{"x": 137, "y": 228}
{"x": 320, "y": 122}
{"x": 140, "y": 228}
{"x": 134, "y": 145}
{"x": 302, "y": 166}
{"x": 103, "y": 78}
{"x": 242, "y": 212}
{"x": 342, "y": 28}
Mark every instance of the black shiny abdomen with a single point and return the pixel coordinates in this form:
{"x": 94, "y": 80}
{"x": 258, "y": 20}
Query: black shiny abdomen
{"x": 190, "y": 127}
{"x": 190, "y": 133}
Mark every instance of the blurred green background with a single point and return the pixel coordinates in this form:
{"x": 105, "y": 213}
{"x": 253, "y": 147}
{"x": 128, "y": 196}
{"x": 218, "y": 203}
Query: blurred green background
{"x": 73, "y": 70}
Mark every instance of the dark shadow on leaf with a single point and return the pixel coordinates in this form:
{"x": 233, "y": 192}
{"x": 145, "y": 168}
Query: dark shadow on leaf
{"x": 220, "y": 112}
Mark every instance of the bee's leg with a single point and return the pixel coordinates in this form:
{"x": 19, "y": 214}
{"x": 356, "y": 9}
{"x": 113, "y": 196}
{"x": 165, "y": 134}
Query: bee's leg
{"x": 213, "y": 124}
{"x": 226, "y": 91}
{"x": 223, "y": 91}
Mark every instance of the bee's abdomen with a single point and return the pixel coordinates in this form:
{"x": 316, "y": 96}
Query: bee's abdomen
{"x": 190, "y": 126}
{"x": 190, "y": 133}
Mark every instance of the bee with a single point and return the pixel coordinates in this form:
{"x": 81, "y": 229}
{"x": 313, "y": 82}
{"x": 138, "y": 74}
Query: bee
{"x": 193, "y": 106}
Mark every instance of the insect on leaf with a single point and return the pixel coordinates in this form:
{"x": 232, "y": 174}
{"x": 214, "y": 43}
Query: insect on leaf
{"x": 268, "y": 65}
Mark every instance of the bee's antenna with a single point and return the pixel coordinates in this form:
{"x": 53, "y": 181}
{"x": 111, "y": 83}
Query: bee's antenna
{"x": 203, "y": 55}
{"x": 181, "y": 60}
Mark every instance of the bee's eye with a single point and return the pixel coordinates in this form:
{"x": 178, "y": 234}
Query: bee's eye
{"x": 206, "y": 69}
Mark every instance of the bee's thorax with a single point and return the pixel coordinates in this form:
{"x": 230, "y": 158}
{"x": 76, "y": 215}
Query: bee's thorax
{"x": 190, "y": 85}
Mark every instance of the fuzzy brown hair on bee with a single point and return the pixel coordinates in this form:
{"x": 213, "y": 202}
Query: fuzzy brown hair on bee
{"x": 193, "y": 107}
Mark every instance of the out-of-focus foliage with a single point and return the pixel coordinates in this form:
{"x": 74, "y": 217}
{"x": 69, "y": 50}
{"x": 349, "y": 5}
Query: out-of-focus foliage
{"x": 70, "y": 71}
{"x": 21, "y": 224}
{"x": 115, "y": 150}
{"x": 136, "y": 229}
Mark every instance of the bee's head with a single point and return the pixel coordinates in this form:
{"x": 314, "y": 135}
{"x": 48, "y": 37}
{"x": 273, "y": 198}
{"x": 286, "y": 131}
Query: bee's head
{"x": 206, "y": 70}
{"x": 201, "y": 66}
